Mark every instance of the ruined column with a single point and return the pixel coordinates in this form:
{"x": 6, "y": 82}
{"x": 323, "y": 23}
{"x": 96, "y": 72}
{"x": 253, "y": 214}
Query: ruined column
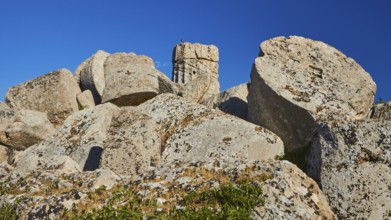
{"x": 190, "y": 61}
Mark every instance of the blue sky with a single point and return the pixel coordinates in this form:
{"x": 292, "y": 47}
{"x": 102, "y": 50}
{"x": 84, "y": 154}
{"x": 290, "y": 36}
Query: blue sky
{"x": 37, "y": 37}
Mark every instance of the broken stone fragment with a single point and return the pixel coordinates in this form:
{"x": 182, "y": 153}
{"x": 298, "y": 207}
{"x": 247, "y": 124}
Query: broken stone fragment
{"x": 191, "y": 131}
{"x": 104, "y": 136}
{"x": 352, "y": 164}
{"x": 297, "y": 82}
{"x": 132, "y": 80}
{"x": 85, "y": 99}
{"x": 20, "y": 129}
{"x": 53, "y": 93}
{"x": 91, "y": 76}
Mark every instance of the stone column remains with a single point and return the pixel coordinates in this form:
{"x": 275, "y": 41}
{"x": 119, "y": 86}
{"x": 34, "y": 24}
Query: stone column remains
{"x": 193, "y": 60}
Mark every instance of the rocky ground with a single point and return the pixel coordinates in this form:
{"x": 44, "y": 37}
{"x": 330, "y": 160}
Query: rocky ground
{"x": 119, "y": 140}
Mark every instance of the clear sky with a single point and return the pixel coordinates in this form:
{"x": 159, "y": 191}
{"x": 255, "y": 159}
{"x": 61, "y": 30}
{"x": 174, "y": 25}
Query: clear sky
{"x": 37, "y": 37}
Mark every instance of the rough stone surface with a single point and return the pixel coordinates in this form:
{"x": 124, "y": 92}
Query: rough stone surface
{"x": 296, "y": 82}
{"x": 81, "y": 138}
{"x": 131, "y": 80}
{"x": 381, "y": 111}
{"x": 232, "y": 101}
{"x": 288, "y": 193}
{"x": 3, "y": 154}
{"x": 133, "y": 143}
{"x": 191, "y": 61}
{"x": 85, "y": 99}
{"x": 352, "y": 164}
{"x": 53, "y": 93}
{"x": 5, "y": 170}
{"x": 196, "y": 90}
{"x": 19, "y": 129}
{"x": 193, "y": 132}
{"x": 291, "y": 194}
{"x": 92, "y": 75}
{"x": 123, "y": 140}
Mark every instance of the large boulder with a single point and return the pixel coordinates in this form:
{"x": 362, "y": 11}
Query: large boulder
{"x": 53, "y": 93}
{"x": 297, "y": 82}
{"x": 232, "y": 101}
{"x": 91, "y": 75}
{"x": 191, "y": 61}
{"x": 291, "y": 194}
{"x": 191, "y": 131}
{"x": 19, "y": 129}
{"x": 104, "y": 136}
{"x": 352, "y": 164}
{"x": 131, "y": 80}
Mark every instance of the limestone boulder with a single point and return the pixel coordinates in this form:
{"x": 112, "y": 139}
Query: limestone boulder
{"x": 232, "y": 101}
{"x": 191, "y": 61}
{"x": 291, "y": 194}
{"x": 381, "y": 111}
{"x": 91, "y": 75}
{"x": 103, "y": 136}
{"x": 20, "y": 129}
{"x": 85, "y": 99}
{"x": 81, "y": 138}
{"x": 352, "y": 164}
{"x": 132, "y": 80}
{"x": 53, "y": 93}
{"x": 191, "y": 131}
{"x": 297, "y": 82}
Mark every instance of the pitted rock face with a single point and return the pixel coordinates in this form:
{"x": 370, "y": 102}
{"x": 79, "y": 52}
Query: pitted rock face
{"x": 291, "y": 194}
{"x": 352, "y": 164}
{"x": 121, "y": 139}
{"x": 191, "y": 131}
{"x": 296, "y": 82}
{"x": 53, "y": 93}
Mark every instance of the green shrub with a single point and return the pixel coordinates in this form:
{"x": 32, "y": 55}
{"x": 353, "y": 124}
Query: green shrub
{"x": 8, "y": 212}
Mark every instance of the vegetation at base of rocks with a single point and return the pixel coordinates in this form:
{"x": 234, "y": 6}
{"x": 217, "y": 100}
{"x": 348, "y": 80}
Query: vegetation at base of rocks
{"x": 8, "y": 212}
{"x": 230, "y": 201}
{"x": 297, "y": 157}
{"x": 206, "y": 193}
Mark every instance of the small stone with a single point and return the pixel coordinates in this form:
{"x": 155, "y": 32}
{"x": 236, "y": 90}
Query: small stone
{"x": 85, "y": 99}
